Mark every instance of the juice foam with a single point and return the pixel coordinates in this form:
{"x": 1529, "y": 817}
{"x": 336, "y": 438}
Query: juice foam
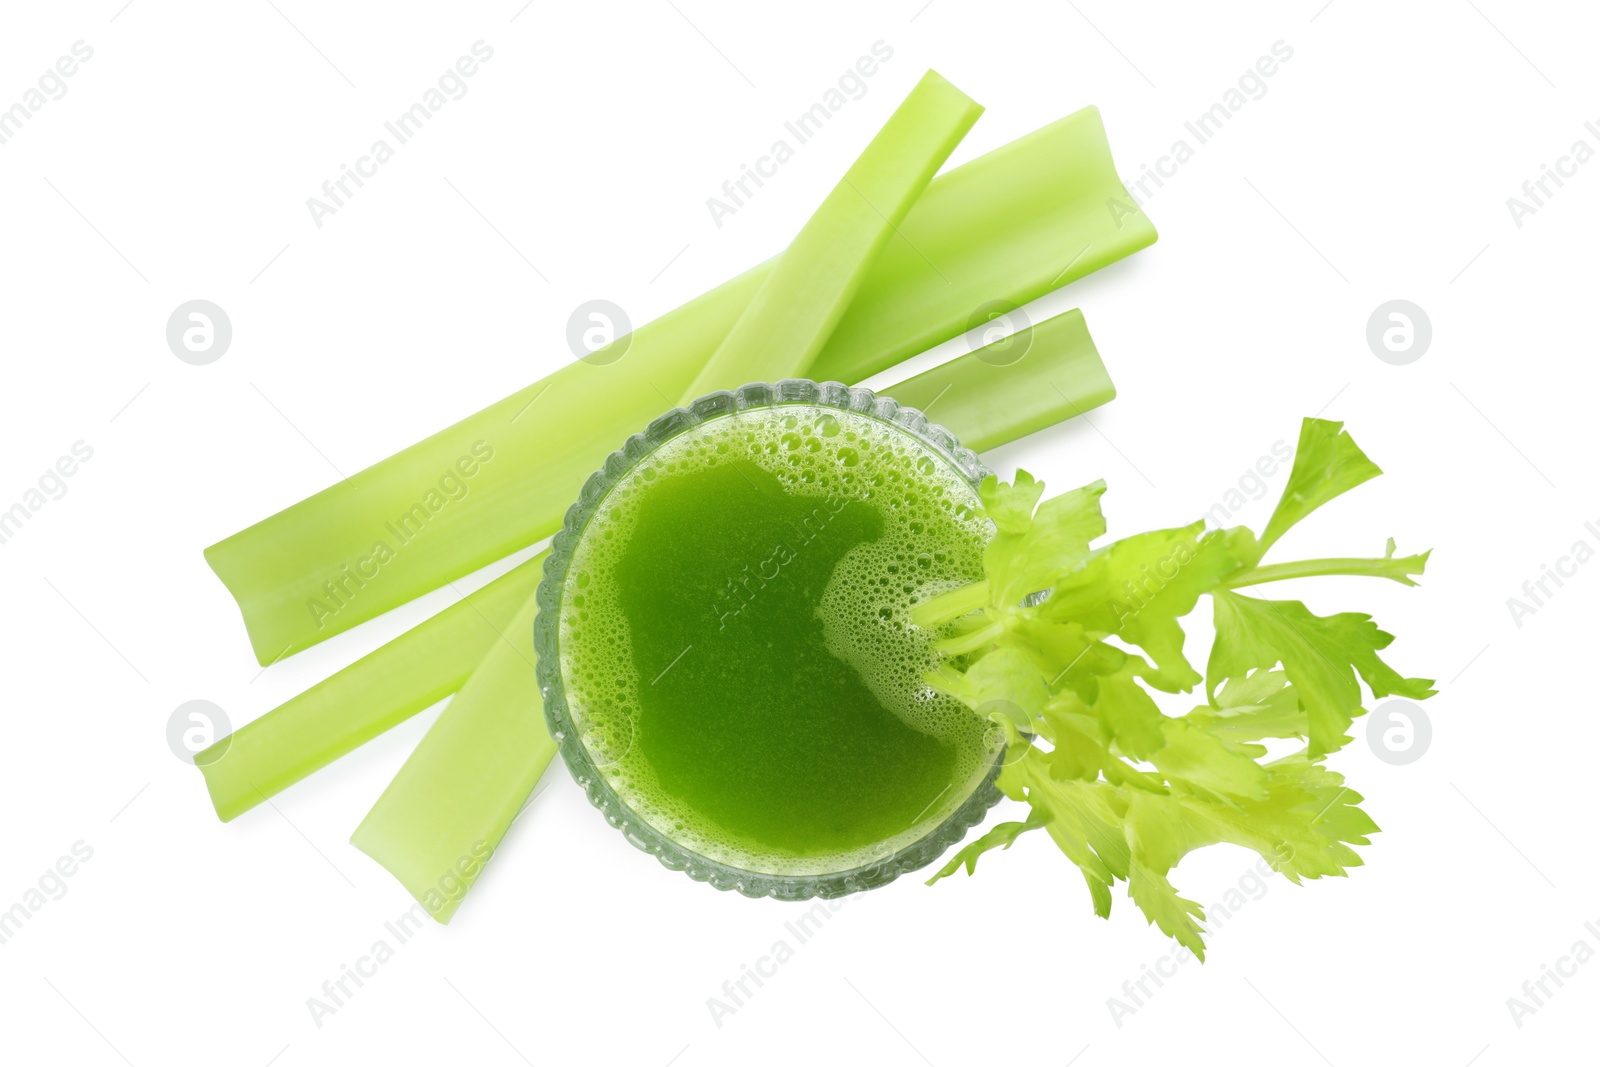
{"x": 735, "y": 542}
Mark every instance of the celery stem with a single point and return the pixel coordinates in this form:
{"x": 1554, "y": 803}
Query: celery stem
{"x": 952, "y": 605}
{"x": 1309, "y": 568}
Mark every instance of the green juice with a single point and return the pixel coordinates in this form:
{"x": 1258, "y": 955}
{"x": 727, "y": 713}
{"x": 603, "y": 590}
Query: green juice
{"x": 736, "y": 649}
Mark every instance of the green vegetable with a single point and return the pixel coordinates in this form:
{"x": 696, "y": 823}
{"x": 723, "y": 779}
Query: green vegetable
{"x": 475, "y": 768}
{"x": 976, "y": 396}
{"x": 1009, "y": 226}
{"x": 993, "y": 396}
{"x": 1123, "y": 789}
{"x": 443, "y": 815}
{"x": 802, "y": 298}
{"x": 382, "y": 689}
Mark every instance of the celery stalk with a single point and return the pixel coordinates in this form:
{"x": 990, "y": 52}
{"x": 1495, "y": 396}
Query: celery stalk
{"x": 1009, "y": 226}
{"x": 387, "y": 686}
{"x": 445, "y": 813}
{"x": 979, "y": 397}
{"x": 990, "y": 397}
{"x": 803, "y": 296}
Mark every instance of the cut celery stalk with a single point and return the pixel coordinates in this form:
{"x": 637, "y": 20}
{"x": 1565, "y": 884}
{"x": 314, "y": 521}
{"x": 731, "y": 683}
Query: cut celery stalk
{"x": 803, "y": 296}
{"x": 387, "y": 686}
{"x": 1009, "y": 226}
{"x": 983, "y": 398}
{"x": 448, "y": 808}
{"x": 445, "y": 813}
{"x": 1036, "y": 377}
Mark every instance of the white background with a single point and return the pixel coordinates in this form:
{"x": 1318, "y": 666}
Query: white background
{"x": 1376, "y": 166}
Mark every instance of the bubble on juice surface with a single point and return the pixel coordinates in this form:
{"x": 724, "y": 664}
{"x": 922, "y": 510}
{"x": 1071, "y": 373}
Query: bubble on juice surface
{"x": 932, "y": 541}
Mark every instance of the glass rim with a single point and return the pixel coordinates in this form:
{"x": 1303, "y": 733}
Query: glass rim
{"x": 547, "y": 644}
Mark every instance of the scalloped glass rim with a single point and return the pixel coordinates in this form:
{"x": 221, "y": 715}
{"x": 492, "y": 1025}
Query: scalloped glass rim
{"x": 546, "y": 643}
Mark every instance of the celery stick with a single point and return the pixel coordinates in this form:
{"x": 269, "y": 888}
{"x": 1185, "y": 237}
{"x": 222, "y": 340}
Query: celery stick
{"x": 987, "y": 401}
{"x": 1025, "y": 219}
{"x": 814, "y": 280}
{"x": 445, "y": 813}
{"x": 979, "y": 397}
{"x": 1011, "y": 225}
{"x": 387, "y": 686}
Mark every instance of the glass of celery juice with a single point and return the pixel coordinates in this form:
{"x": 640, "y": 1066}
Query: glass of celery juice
{"x": 725, "y": 647}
